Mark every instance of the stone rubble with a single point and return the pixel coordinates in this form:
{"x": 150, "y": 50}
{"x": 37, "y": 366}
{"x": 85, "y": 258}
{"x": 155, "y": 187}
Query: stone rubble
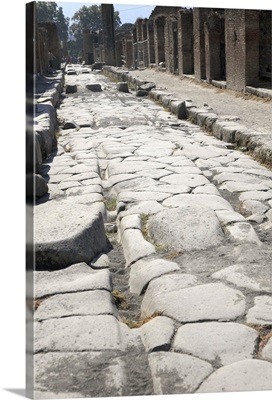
{"x": 183, "y": 206}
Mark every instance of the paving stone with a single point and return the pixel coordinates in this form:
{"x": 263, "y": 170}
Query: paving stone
{"x": 143, "y": 271}
{"x": 144, "y": 207}
{"x": 78, "y": 169}
{"x": 82, "y": 333}
{"x": 229, "y": 217}
{"x": 184, "y": 169}
{"x": 191, "y": 180}
{"x": 206, "y": 189}
{"x": 167, "y": 188}
{"x": 132, "y": 167}
{"x": 174, "y": 373}
{"x": 216, "y": 341}
{"x": 78, "y": 277}
{"x": 157, "y": 334}
{"x": 212, "y": 201}
{"x": 254, "y": 206}
{"x": 134, "y": 184}
{"x": 81, "y": 237}
{"x": 194, "y": 151}
{"x": 236, "y": 177}
{"x": 211, "y": 301}
{"x": 232, "y": 186}
{"x": 155, "y": 173}
{"x": 246, "y": 375}
{"x": 242, "y": 232}
{"x": 57, "y": 178}
{"x": 132, "y": 197}
{"x": 186, "y": 228}
{"x": 251, "y": 275}
{"x": 101, "y": 261}
{"x": 261, "y": 312}
{"x": 81, "y": 176}
{"x": 267, "y": 351}
{"x": 94, "y": 302}
{"x": 135, "y": 246}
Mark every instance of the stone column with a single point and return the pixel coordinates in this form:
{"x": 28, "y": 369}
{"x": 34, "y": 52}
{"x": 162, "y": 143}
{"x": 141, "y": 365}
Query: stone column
{"x": 108, "y": 33}
{"x": 185, "y": 42}
{"x": 212, "y": 30}
{"x": 129, "y": 50}
{"x": 242, "y": 48}
{"x": 200, "y": 15}
{"x": 159, "y": 39}
{"x": 88, "y": 52}
{"x": 151, "y": 45}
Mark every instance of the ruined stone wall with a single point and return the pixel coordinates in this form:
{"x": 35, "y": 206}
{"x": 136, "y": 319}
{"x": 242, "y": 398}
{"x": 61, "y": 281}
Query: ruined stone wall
{"x": 159, "y": 39}
{"x": 265, "y": 44}
{"x": 52, "y": 43}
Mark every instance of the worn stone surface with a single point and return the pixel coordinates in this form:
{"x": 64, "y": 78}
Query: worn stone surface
{"x": 83, "y": 333}
{"x": 157, "y": 334}
{"x": 243, "y": 375}
{"x": 192, "y": 304}
{"x": 247, "y": 275}
{"x": 224, "y": 343}
{"x": 135, "y": 246}
{"x": 198, "y": 228}
{"x": 261, "y": 312}
{"x": 174, "y": 373}
{"x": 212, "y": 201}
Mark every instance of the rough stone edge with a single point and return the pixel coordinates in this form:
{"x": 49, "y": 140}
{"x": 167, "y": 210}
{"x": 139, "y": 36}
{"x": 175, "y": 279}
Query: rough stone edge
{"x": 259, "y": 145}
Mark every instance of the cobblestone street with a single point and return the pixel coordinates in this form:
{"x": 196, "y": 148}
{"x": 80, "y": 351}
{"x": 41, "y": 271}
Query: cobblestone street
{"x": 153, "y": 250}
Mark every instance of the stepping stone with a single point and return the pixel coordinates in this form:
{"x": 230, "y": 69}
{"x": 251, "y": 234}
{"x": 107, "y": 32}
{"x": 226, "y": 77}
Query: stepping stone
{"x": 215, "y": 341}
{"x": 69, "y": 234}
{"x": 174, "y": 373}
{"x": 211, "y": 301}
{"x": 246, "y": 375}
{"x": 122, "y": 87}
{"x": 94, "y": 87}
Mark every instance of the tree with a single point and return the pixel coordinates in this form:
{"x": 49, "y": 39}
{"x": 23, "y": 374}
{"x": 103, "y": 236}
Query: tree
{"x": 88, "y": 18}
{"x": 50, "y": 12}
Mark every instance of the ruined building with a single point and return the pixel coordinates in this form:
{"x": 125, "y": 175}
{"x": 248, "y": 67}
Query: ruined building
{"x": 229, "y": 48}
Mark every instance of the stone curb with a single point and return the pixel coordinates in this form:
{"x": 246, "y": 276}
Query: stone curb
{"x": 222, "y": 127}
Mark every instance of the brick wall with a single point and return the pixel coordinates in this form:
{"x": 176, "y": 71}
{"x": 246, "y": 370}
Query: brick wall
{"x": 213, "y": 32}
{"x": 242, "y": 48}
{"x": 185, "y": 42}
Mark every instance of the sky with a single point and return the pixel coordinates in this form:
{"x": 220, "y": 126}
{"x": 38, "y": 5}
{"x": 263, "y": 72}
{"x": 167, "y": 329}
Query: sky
{"x": 128, "y": 12}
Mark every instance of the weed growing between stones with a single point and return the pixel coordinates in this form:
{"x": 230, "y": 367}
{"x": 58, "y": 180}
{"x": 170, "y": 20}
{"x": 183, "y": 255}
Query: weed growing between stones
{"x": 137, "y": 324}
{"x": 110, "y": 204}
{"x": 144, "y": 226}
{"x": 265, "y": 333}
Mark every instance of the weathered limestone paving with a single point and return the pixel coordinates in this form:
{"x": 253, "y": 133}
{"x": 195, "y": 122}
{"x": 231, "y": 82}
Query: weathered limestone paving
{"x": 153, "y": 248}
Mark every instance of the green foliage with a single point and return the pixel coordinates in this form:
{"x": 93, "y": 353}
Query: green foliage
{"x": 50, "y": 12}
{"x": 87, "y": 18}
